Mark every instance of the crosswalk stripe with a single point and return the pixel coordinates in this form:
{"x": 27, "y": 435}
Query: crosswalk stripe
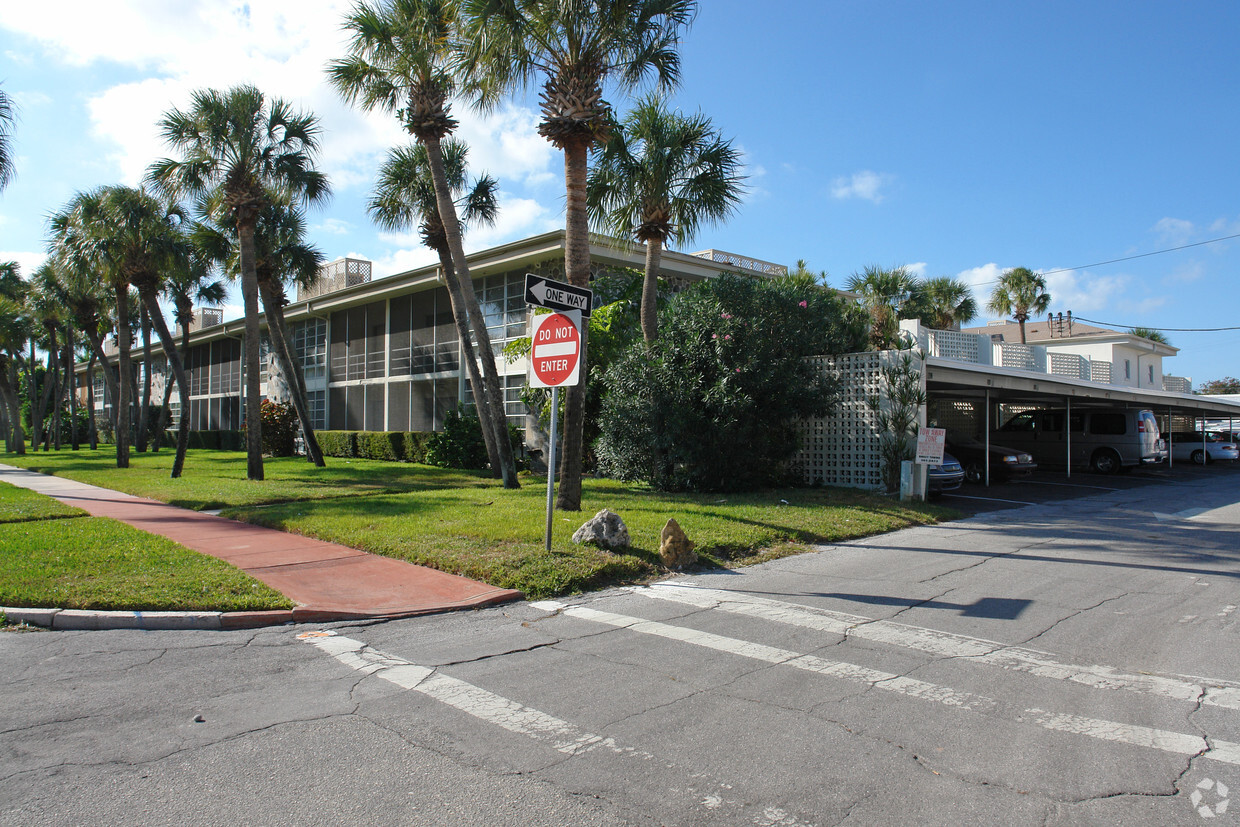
{"x": 563, "y": 736}
{"x": 1163, "y": 740}
{"x": 946, "y": 644}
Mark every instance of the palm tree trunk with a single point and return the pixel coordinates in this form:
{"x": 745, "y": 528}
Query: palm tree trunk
{"x": 491, "y": 399}
{"x": 144, "y": 399}
{"x": 126, "y": 374}
{"x": 92, "y": 432}
{"x": 50, "y": 381}
{"x": 253, "y": 391}
{"x": 8, "y": 395}
{"x": 577, "y": 269}
{"x": 151, "y": 301}
{"x": 459, "y": 315}
{"x": 109, "y": 379}
{"x": 278, "y": 331}
{"x": 650, "y": 290}
{"x": 32, "y": 395}
{"x": 71, "y": 387}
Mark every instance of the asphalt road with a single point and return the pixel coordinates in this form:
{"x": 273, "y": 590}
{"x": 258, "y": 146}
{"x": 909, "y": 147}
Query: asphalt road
{"x": 1069, "y": 662}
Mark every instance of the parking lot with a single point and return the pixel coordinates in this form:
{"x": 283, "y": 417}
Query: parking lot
{"x": 1051, "y": 485}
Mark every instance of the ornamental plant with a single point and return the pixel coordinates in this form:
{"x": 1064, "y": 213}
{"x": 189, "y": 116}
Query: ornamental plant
{"x": 279, "y": 428}
{"x": 713, "y": 404}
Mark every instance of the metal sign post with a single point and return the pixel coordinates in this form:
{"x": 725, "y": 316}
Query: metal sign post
{"x": 555, "y": 409}
{"x": 555, "y": 361}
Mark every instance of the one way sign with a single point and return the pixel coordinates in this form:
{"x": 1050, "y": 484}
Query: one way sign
{"x": 557, "y": 295}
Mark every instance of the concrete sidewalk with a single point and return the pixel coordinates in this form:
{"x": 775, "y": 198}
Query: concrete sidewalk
{"x": 325, "y": 580}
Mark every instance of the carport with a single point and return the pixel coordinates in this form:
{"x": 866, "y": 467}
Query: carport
{"x": 957, "y": 392}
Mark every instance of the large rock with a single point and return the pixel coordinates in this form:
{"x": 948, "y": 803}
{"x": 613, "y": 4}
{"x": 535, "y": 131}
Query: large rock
{"x": 605, "y": 530}
{"x": 675, "y": 547}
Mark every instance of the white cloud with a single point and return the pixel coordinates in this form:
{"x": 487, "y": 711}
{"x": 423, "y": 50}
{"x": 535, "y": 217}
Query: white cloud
{"x": 1174, "y": 230}
{"x": 333, "y": 226}
{"x": 865, "y": 184}
{"x": 27, "y": 261}
{"x": 1226, "y": 226}
{"x": 917, "y": 269}
{"x": 399, "y": 261}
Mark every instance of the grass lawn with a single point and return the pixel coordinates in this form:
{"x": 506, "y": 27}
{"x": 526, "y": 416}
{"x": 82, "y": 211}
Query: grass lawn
{"x": 53, "y": 556}
{"x": 466, "y": 523}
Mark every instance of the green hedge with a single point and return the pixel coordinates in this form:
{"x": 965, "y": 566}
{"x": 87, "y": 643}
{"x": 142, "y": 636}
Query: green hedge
{"x": 393, "y": 446}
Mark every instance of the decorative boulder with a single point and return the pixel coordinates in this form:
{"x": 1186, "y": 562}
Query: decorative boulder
{"x": 675, "y": 547}
{"x": 605, "y": 530}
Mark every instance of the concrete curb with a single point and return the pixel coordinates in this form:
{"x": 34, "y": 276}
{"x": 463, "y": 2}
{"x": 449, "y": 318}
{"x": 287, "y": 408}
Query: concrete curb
{"x": 85, "y": 620}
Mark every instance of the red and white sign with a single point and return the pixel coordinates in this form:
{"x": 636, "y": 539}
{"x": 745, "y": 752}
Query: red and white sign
{"x": 555, "y": 351}
{"x": 930, "y": 444}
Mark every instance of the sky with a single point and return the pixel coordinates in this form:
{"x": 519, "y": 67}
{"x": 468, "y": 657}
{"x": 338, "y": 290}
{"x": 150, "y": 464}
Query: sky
{"x": 957, "y": 139}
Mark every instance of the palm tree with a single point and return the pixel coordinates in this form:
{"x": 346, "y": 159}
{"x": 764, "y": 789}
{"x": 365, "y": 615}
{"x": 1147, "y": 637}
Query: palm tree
{"x": 189, "y": 281}
{"x": 79, "y": 233}
{"x": 405, "y": 197}
{"x": 253, "y": 154}
{"x": 884, "y": 293}
{"x": 1151, "y": 334}
{"x": 945, "y": 303}
{"x": 1021, "y": 294}
{"x": 85, "y": 297}
{"x": 400, "y": 60}
{"x": 280, "y": 256}
{"x": 660, "y": 176}
{"x": 7, "y": 167}
{"x": 132, "y": 237}
{"x": 575, "y": 48}
{"x": 14, "y": 331}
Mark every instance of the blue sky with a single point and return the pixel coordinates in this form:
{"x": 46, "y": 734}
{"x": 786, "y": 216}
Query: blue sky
{"x": 958, "y": 139}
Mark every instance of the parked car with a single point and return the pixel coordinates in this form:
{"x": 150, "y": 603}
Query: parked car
{"x": 946, "y": 476}
{"x": 1104, "y": 439}
{"x": 1215, "y": 446}
{"x": 1005, "y": 463}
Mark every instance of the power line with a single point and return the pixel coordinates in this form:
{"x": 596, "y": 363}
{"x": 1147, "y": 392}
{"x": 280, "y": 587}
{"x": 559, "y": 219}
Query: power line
{"x": 1171, "y": 329}
{"x": 1143, "y": 255}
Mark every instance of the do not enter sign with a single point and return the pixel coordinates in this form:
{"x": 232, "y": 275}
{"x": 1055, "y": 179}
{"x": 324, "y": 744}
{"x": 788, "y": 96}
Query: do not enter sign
{"x": 555, "y": 352}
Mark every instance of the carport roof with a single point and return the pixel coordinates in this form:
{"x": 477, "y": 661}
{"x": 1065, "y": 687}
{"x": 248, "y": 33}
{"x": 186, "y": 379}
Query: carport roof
{"x": 969, "y": 380}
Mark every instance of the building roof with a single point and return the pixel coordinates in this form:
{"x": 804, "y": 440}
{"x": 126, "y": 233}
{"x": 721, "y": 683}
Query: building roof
{"x": 1042, "y": 332}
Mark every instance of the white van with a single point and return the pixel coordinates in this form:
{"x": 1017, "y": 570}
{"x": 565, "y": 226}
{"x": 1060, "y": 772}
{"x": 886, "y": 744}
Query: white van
{"x": 1104, "y": 439}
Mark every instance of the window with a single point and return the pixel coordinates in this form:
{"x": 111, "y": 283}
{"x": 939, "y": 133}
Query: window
{"x": 1108, "y": 424}
{"x": 1151, "y": 367}
{"x": 1127, "y": 369}
{"x": 310, "y": 345}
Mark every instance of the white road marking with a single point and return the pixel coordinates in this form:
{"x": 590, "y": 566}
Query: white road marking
{"x": 510, "y": 715}
{"x": 986, "y": 499}
{"x": 1069, "y": 485}
{"x": 1227, "y": 610}
{"x": 757, "y": 651}
{"x": 946, "y": 644}
{"x": 1163, "y": 740}
{"x": 1186, "y": 514}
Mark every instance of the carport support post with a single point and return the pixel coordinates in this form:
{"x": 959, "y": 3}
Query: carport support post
{"x": 1067, "y": 429}
{"x": 1170, "y": 459}
{"x": 986, "y": 437}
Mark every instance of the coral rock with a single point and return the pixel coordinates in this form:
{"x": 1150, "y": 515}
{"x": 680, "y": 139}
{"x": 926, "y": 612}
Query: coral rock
{"x": 675, "y": 547}
{"x": 605, "y": 530}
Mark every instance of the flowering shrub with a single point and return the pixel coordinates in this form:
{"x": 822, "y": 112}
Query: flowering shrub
{"x": 713, "y": 404}
{"x": 279, "y": 428}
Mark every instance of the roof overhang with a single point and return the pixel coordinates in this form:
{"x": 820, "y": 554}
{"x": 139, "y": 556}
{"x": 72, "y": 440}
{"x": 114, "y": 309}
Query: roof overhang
{"x": 949, "y": 377}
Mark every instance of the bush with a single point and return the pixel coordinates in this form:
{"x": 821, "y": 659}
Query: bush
{"x": 388, "y": 445}
{"x": 279, "y": 428}
{"x": 337, "y": 443}
{"x": 414, "y": 445}
{"x": 460, "y": 443}
{"x": 713, "y": 404}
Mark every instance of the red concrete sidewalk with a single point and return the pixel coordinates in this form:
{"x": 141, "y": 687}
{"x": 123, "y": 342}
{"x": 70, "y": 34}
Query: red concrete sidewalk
{"x": 325, "y": 580}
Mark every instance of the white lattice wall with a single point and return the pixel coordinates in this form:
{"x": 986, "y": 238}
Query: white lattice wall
{"x": 952, "y": 344}
{"x": 960, "y": 416}
{"x": 843, "y": 449}
{"x": 1069, "y": 364}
